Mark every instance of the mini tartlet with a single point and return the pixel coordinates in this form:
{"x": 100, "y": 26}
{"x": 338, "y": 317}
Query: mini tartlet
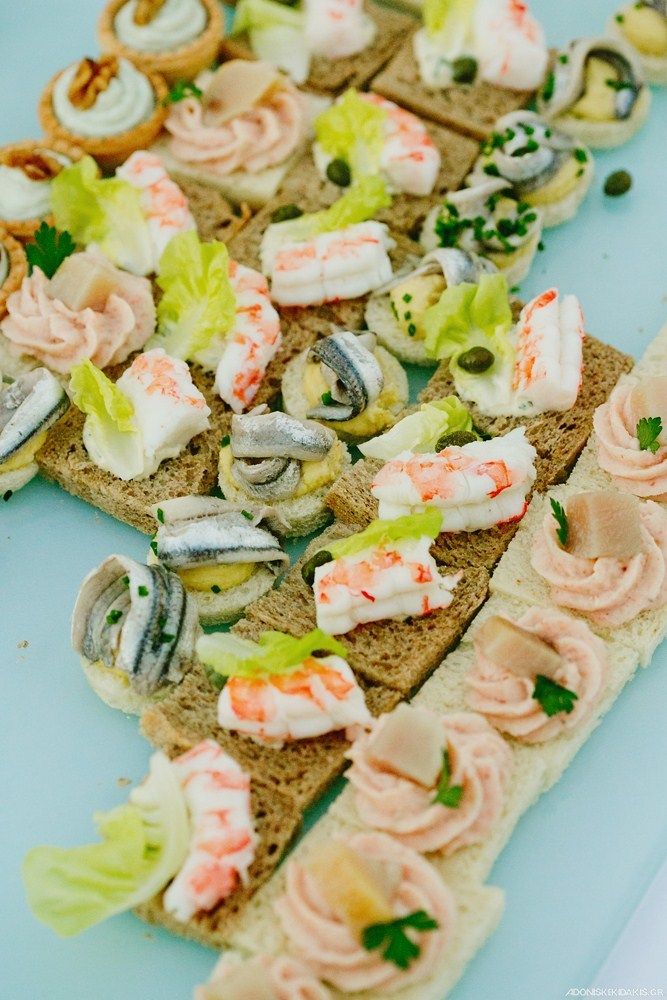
{"x": 181, "y": 61}
{"x": 90, "y": 81}
{"x": 13, "y": 268}
{"x": 39, "y": 161}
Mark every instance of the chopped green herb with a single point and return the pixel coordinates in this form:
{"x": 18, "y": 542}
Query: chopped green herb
{"x": 114, "y": 616}
{"x": 563, "y": 58}
{"x": 166, "y": 638}
{"x": 620, "y": 84}
{"x": 49, "y": 250}
{"x": 447, "y": 794}
{"x": 154, "y": 546}
{"x": 215, "y": 588}
{"x": 580, "y": 172}
{"x": 396, "y": 946}
{"x": 412, "y": 329}
{"x": 126, "y": 581}
{"x": 649, "y": 430}
{"x": 142, "y": 590}
{"x": 407, "y": 315}
{"x": 581, "y": 155}
{"x": 181, "y": 90}
{"x": 224, "y": 441}
{"x": 492, "y": 170}
{"x": 563, "y": 529}
{"x": 549, "y": 87}
{"x": 553, "y": 697}
{"x": 407, "y": 297}
{"x": 620, "y": 18}
{"x": 327, "y": 398}
{"x": 248, "y": 515}
{"x": 160, "y": 515}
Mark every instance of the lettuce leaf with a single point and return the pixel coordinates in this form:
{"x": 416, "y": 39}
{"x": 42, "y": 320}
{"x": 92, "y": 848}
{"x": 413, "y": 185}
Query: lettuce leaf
{"x": 144, "y": 844}
{"x": 380, "y": 533}
{"x": 362, "y": 201}
{"x": 469, "y": 315}
{"x": 198, "y": 304}
{"x": 275, "y": 653}
{"x": 449, "y": 17}
{"x": 353, "y": 129}
{"x": 261, "y": 14}
{"x": 103, "y": 211}
{"x": 110, "y": 432}
{"x": 420, "y": 431}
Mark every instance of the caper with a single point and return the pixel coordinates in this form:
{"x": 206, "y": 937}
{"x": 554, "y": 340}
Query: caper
{"x": 455, "y": 439}
{"x": 476, "y": 360}
{"x": 309, "y": 567}
{"x": 464, "y": 69}
{"x": 286, "y": 212}
{"x": 618, "y": 183}
{"x": 338, "y": 172}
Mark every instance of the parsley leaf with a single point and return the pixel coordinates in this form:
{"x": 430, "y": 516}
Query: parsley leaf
{"x": 327, "y": 398}
{"x": 553, "y": 698}
{"x": 181, "y": 90}
{"x": 649, "y": 430}
{"x": 563, "y": 530}
{"x": 447, "y": 794}
{"x": 396, "y": 946}
{"x": 49, "y": 249}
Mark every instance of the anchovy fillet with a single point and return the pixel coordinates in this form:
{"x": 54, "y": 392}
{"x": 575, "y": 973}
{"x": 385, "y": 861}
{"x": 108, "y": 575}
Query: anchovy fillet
{"x": 29, "y": 406}
{"x": 352, "y": 371}
{"x": 138, "y": 619}
{"x": 278, "y": 435}
{"x": 569, "y": 81}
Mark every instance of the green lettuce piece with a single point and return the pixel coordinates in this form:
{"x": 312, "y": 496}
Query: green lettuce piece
{"x": 364, "y": 199}
{"x": 420, "y": 431}
{"x": 251, "y": 15}
{"x": 469, "y": 315}
{"x": 449, "y": 17}
{"x": 198, "y": 305}
{"x": 379, "y": 533}
{"x": 353, "y": 130}
{"x": 275, "y": 653}
{"x": 111, "y": 432}
{"x": 144, "y": 844}
{"x": 104, "y": 211}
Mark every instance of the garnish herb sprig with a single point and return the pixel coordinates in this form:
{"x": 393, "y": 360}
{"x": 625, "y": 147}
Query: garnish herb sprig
{"x": 553, "y": 697}
{"x": 649, "y": 430}
{"x": 49, "y": 250}
{"x": 396, "y": 946}
{"x": 447, "y": 794}
{"x": 563, "y": 529}
{"x": 181, "y": 90}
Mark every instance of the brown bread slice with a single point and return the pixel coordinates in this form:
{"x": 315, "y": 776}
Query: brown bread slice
{"x": 301, "y": 770}
{"x": 332, "y": 76}
{"x": 406, "y": 212}
{"x": 376, "y": 651}
{"x": 64, "y": 459}
{"x": 276, "y": 823}
{"x": 468, "y": 108}
{"x": 558, "y": 437}
{"x": 216, "y": 218}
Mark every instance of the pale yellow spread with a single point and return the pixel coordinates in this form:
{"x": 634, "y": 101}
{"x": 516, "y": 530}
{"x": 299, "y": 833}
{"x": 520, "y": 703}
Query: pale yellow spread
{"x": 374, "y": 418}
{"x": 560, "y": 186}
{"x": 25, "y": 455}
{"x": 645, "y": 29}
{"x": 412, "y": 298}
{"x": 598, "y": 100}
{"x": 225, "y": 576}
{"x": 313, "y": 474}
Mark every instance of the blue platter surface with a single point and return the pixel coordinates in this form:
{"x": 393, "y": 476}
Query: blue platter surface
{"x": 578, "y": 862}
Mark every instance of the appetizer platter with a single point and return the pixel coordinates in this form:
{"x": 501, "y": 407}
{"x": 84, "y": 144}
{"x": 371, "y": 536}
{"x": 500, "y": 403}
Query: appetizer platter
{"x": 333, "y": 472}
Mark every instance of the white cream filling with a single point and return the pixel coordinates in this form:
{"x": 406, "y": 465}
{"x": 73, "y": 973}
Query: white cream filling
{"x": 176, "y": 23}
{"x": 22, "y": 198}
{"x": 127, "y": 101}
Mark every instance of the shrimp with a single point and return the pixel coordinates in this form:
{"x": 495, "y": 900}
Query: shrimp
{"x": 476, "y": 485}
{"x": 510, "y": 45}
{"x": 321, "y": 696}
{"x": 332, "y": 266}
{"x": 223, "y": 842}
{"x": 387, "y": 582}
{"x": 253, "y": 342}
{"x": 337, "y": 28}
{"x": 549, "y": 353}
{"x": 164, "y": 205}
{"x": 410, "y": 160}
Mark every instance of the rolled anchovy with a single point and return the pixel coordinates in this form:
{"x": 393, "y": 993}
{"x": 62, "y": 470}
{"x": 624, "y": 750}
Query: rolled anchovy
{"x": 138, "y": 619}
{"x": 214, "y": 533}
{"x": 569, "y": 81}
{"x": 29, "y": 406}
{"x": 459, "y": 266}
{"x": 261, "y": 470}
{"x": 278, "y": 435}
{"x": 659, "y": 5}
{"x": 279, "y": 487}
{"x": 516, "y": 160}
{"x": 353, "y": 373}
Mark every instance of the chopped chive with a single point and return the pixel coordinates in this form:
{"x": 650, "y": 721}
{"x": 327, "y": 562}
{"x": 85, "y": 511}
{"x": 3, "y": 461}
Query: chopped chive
{"x": 142, "y": 591}
{"x": 215, "y": 588}
{"x": 160, "y": 515}
{"x": 126, "y": 581}
{"x": 327, "y": 398}
{"x": 407, "y": 297}
{"x": 248, "y": 516}
{"x": 166, "y": 638}
{"x": 154, "y": 546}
{"x": 564, "y": 59}
{"x": 620, "y": 18}
{"x": 492, "y": 170}
{"x": 581, "y": 155}
{"x": 224, "y": 441}
{"x": 412, "y": 329}
{"x": 114, "y": 616}
{"x": 407, "y": 315}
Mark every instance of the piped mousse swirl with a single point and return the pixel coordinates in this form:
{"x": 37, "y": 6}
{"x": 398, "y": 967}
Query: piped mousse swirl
{"x": 636, "y": 470}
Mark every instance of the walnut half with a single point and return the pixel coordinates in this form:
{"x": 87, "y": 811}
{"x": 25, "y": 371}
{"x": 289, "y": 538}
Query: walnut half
{"x": 37, "y": 165}
{"x": 90, "y": 80}
{"x": 146, "y": 10}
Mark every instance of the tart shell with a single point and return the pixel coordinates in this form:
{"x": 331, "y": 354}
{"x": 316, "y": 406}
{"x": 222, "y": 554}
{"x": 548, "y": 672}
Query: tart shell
{"x": 24, "y": 229}
{"x": 109, "y": 151}
{"x": 175, "y": 64}
{"x": 18, "y": 268}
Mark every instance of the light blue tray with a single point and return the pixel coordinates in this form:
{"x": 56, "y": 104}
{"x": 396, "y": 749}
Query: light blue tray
{"x": 578, "y": 862}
